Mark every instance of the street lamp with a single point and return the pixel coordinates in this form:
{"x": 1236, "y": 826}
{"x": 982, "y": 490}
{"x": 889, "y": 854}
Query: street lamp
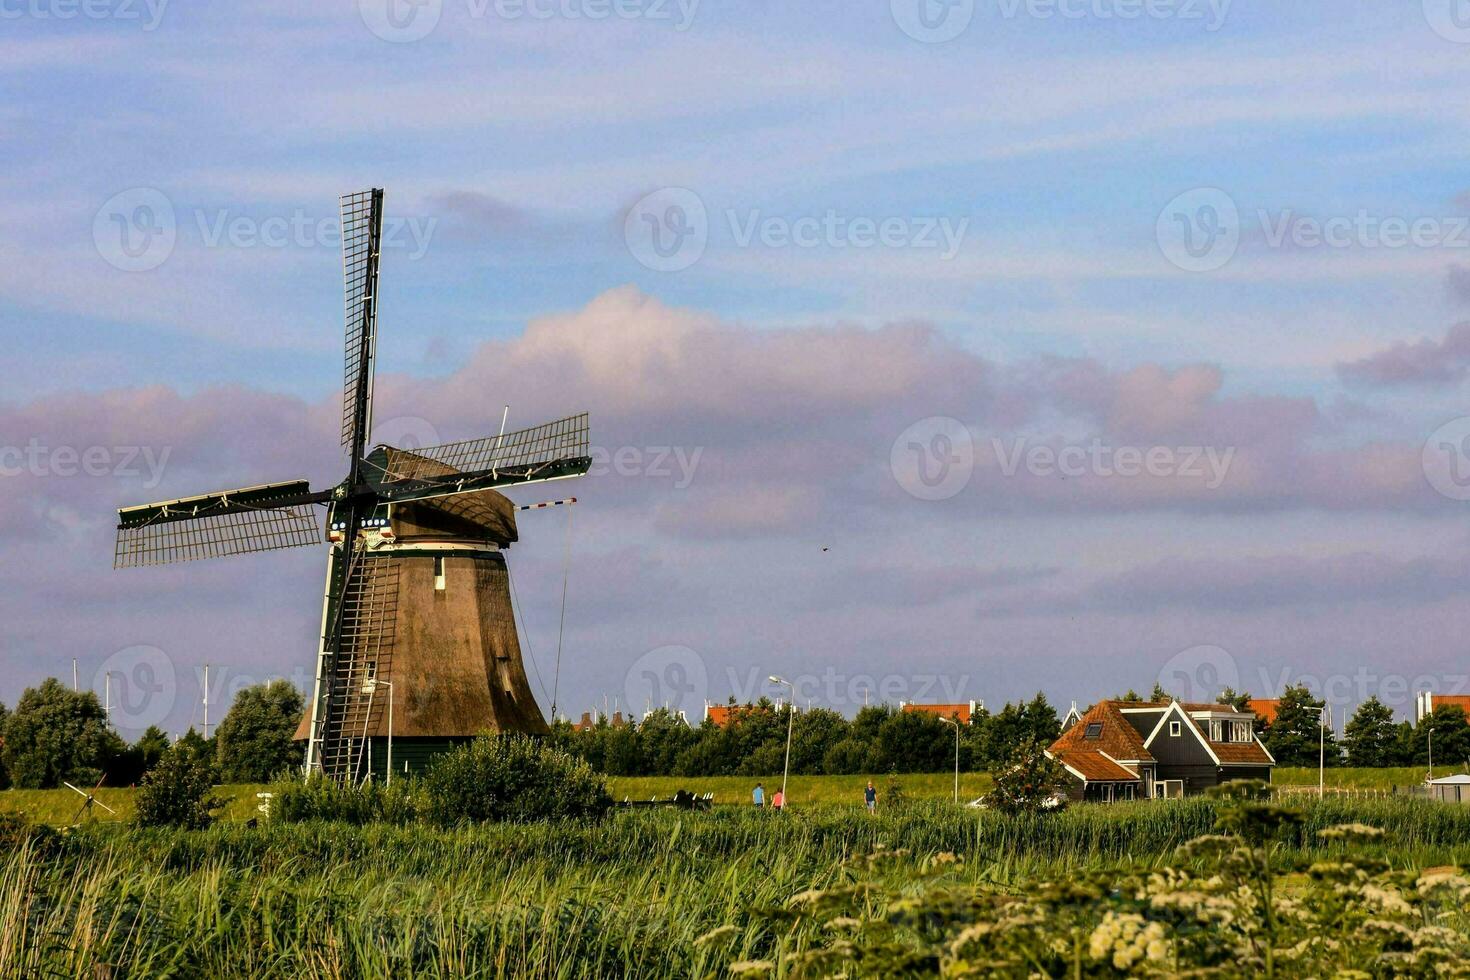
{"x": 790, "y": 723}
{"x": 1431, "y": 752}
{"x": 1324, "y": 718}
{"x": 956, "y": 724}
{"x": 369, "y": 687}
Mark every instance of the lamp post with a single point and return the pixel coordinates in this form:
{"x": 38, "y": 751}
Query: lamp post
{"x": 790, "y": 724}
{"x": 1324, "y": 718}
{"x": 956, "y": 724}
{"x": 1431, "y": 752}
{"x": 369, "y": 687}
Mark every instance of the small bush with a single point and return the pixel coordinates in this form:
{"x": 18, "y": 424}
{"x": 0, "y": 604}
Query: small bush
{"x": 318, "y": 798}
{"x": 511, "y": 777}
{"x": 176, "y": 792}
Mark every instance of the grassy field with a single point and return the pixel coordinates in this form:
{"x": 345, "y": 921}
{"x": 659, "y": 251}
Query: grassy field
{"x": 639, "y": 894}
{"x": 59, "y": 807}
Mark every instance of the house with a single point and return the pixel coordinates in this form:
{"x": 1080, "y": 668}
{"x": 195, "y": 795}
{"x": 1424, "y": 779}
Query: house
{"x": 723, "y": 715}
{"x": 1124, "y": 750}
{"x": 1425, "y": 703}
{"x": 964, "y": 713}
{"x": 1450, "y": 789}
{"x": 1074, "y": 715}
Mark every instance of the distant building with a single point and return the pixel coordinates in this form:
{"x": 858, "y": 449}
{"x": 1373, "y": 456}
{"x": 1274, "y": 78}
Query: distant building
{"x": 1425, "y": 702}
{"x": 722, "y": 715}
{"x": 1073, "y": 716}
{"x": 965, "y": 713}
{"x": 1450, "y": 789}
{"x": 590, "y": 720}
{"x": 1124, "y": 750}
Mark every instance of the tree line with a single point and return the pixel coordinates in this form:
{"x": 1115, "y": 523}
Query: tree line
{"x": 56, "y": 735}
{"x": 1371, "y": 738}
{"x": 879, "y": 739}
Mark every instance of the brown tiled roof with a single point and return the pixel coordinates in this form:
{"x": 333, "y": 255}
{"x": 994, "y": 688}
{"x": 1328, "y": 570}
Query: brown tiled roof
{"x": 1118, "y": 738}
{"x": 957, "y": 711}
{"x": 1095, "y": 767}
{"x": 1241, "y": 753}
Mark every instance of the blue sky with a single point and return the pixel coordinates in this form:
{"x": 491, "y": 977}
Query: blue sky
{"x": 523, "y": 156}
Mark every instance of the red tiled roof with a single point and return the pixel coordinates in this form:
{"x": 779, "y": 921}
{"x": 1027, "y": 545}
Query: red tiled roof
{"x": 1117, "y": 738}
{"x": 1265, "y": 707}
{"x": 720, "y": 714}
{"x": 1095, "y": 766}
{"x": 957, "y": 711}
{"x": 1451, "y": 701}
{"x": 1241, "y": 753}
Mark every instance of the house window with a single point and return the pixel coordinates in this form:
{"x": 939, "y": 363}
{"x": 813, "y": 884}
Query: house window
{"x": 1217, "y": 731}
{"x": 1174, "y": 729}
{"x": 1240, "y": 731}
{"x": 1094, "y": 730}
{"x": 439, "y": 573}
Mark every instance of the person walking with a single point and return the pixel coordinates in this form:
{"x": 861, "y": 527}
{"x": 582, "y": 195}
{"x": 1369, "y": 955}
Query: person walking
{"x": 758, "y": 797}
{"x": 870, "y": 797}
{"x": 779, "y": 800}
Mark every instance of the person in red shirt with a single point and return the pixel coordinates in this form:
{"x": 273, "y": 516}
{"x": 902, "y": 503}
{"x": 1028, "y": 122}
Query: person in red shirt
{"x": 779, "y": 800}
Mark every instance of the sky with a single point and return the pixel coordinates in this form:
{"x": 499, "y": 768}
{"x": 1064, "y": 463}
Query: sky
{"x": 936, "y": 350}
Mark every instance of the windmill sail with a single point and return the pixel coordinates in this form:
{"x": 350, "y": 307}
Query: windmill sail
{"x": 553, "y": 451}
{"x": 362, "y": 232}
{"x": 214, "y": 525}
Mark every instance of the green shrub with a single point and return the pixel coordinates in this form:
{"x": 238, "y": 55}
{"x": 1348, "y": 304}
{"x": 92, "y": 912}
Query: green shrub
{"x": 176, "y": 792}
{"x": 318, "y": 798}
{"x": 511, "y": 777}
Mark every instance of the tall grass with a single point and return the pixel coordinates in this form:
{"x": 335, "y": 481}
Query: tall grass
{"x": 625, "y": 897}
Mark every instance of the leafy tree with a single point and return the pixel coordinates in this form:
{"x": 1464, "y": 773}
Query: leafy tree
{"x": 254, "y": 743}
{"x": 1042, "y": 724}
{"x": 1370, "y": 735}
{"x": 56, "y": 734}
{"x": 1451, "y": 738}
{"x": 1131, "y": 696}
{"x": 192, "y": 741}
{"x": 4, "y": 774}
{"x": 176, "y": 792}
{"x": 151, "y": 747}
{"x": 1032, "y": 783}
{"x": 1240, "y": 702}
{"x": 1293, "y": 738}
{"x": 1159, "y": 695}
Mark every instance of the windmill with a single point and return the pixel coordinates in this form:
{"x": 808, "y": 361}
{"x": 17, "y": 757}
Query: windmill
{"x": 417, "y": 598}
